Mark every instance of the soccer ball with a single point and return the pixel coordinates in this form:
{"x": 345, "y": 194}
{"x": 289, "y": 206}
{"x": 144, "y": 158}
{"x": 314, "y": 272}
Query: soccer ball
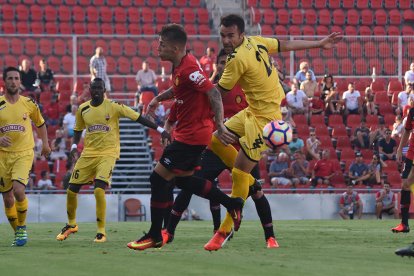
{"x": 277, "y": 134}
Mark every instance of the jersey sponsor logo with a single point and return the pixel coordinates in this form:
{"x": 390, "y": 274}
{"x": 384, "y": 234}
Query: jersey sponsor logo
{"x": 257, "y": 142}
{"x": 197, "y": 78}
{"x": 12, "y": 128}
{"x": 99, "y": 128}
{"x": 167, "y": 161}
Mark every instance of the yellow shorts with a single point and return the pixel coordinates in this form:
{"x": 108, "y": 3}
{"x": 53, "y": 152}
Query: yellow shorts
{"x": 249, "y": 128}
{"x": 14, "y": 166}
{"x": 87, "y": 169}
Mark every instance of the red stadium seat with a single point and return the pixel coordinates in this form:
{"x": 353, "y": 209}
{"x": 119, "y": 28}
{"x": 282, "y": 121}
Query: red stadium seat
{"x": 320, "y": 4}
{"x": 380, "y": 17}
{"x": 282, "y": 17}
{"x": 67, "y": 64}
{"x": 390, "y": 4}
{"x": 394, "y": 178}
{"x": 50, "y": 14}
{"x": 133, "y": 15}
{"x": 106, "y": 14}
{"x": 30, "y": 46}
{"x": 269, "y": 17}
{"x": 120, "y": 15}
{"x": 292, "y": 4}
{"x": 322, "y": 30}
{"x": 310, "y": 17}
{"x": 22, "y": 28}
{"x": 93, "y": 28}
{"x": 338, "y": 17}
{"x": 347, "y": 154}
{"x": 189, "y": 15}
{"x": 364, "y": 30}
{"x": 395, "y": 86}
{"x": 203, "y": 16}
{"x": 8, "y": 12}
{"x": 124, "y": 66}
{"x": 144, "y": 48}
{"x": 367, "y": 18}
{"x": 370, "y": 49}
{"x": 335, "y": 120}
{"x": 79, "y": 28}
{"x": 351, "y": 31}
{"x": 356, "y": 50}
{"x": 174, "y": 15}
{"x": 375, "y": 62}
{"x": 316, "y": 120}
{"x": 161, "y": 15}
{"x": 334, "y": 4}
{"x": 45, "y": 47}
{"x": 390, "y": 66}
{"x": 16, "y": 46}
{"x": 393, "y": 30}
{"x": 37, "y": 28}
{"x": 378, "y": 85}
{"x": 385, "y": 108}
{"x": 194, "y": 3}
{"x": 372, "y": 120}
{"x": 65, "y": 28}
{"x": 343, "y": 142}
{"x": 92, "y": 14}
{"x": 78, "y": 14}
{"x": 54, "y": 63}
{"x": 342, "y": 49}
{"x": 395, "y": 17}
{"x": 115, "y": 47}
{"x": 153, "y": 3}
{"x": 256, "y": 16}
{"x": 339, "y": 131}
{"x": 296, "y": 16}
{"x": 281, "y": 30}
{"x": 295, "y": 30}
{"x": 346, "y": 67}
{"x": 379, "y": 30}
{"x": 407, "y": 30}
{"x": 353, "y": 120}
{"x": 324, "y": 17}
{"x": 4, "y": 46}
{"x": 353, "y": 17}
{"x": 332, "y": 66}
{"x": 348, "y": 4}
{"x": 51, "y": 28}
{"x": 148, "y": 29}
{"x": 306, "y": 4}
{"x": 361, "y": 66}
{"x": 376, "y": 4}
{"x": 82, "y": 65}
{"x": 147, "y": 15}
{"x": 404, "y": 4}
{"x": 22, "y": 13}
{"x": 265, "y": 4}
{"x": 180, "y": 3}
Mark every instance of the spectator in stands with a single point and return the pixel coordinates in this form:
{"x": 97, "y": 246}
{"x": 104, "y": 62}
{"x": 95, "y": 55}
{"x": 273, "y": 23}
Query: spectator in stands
{"x": 332, "y": 101}
{"x": 37, "y": 147}
{"x": 46, "y": 76}
{"x": 375, "y": 170}
{"x": 323, "y": 170}
{"x": 349, "y": 204}
{"x": 269, "y": 156}
{"x": 397, "y": 127}
{"x": 208, "y": 63}
{"x": 409, "y": 75}
{"x": 358, "y": 171}
{"x": 301, "y": 74}
{"x": 297, "y": 100}
{"x": 297, "y": 144}
{"x": 97, "y": 67}
{"x": 352, "y": 98}
{"x": 69, "y": 122}
{"x": 29, "y": 77}
{"x": 45, "y": 183}
{"x": 58, "y": 146}
{"x": 360, "y": 139}
{"x": 377, "y": 134}
{"x": 312, "y": 146}
{"x": 85, "y": 95}
{"x": 309, "y": 86}
{"x": 327, "y": 85}
{"x": 51, "y": 112}
{"x": 282, "y": 76}
{"x": 279, "y": 172}
{"x": 385, "y": 202}
{"x": 407, "y": 107}
{"x": 160, "y": 115}
{"x": 300, "y": 169}
{"x": 146, "y": 79}
{"x": 73, "y": 100}
{"x": 403, "y": 97}
{"x": 316, "y": 105}
{"x": 370, "y": 107}
{"x": 287, "y": 116}
{"x": 387, "y": 147}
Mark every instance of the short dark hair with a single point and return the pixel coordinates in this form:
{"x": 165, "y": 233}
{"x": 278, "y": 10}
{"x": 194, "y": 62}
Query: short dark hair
{"x": 220, "y": 54}
{"x": 175, "y": 33}
{"x": 10, "y": 69}
{"x": 233, "y": 19}
{"x": 43, "y": 173}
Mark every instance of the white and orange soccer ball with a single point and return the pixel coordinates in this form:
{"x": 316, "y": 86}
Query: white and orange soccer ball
{"x": 277, "y": 133}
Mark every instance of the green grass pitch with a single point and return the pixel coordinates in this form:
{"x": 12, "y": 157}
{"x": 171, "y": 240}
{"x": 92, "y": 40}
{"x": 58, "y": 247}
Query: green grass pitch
{"x": 328, "y": 247}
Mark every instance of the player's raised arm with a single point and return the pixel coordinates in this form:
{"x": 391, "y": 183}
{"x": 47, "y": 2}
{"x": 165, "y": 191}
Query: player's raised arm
{"x": 164, "y": 134}
{"x": 325, "y": 43}
{"x": 167, "y": 95}
{"x": 216, "y": 103}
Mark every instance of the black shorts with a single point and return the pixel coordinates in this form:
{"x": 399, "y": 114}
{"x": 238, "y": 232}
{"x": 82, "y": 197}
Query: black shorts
{"x": 180, "y": 157}
{"x": 408, "y": 164}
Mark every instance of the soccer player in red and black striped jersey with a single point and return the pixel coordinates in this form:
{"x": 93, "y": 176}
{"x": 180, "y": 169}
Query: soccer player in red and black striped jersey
{"x": 212, "y": 166}
{"x": 408, "y": 181}
{"x": 195, "y": 99}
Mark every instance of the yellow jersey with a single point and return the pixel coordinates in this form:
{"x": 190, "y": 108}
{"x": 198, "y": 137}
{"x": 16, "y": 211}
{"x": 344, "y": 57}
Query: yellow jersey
{"x": 16, "y": 122}
{"x": 102, "y": 127}
{"x": 251, "y": 67}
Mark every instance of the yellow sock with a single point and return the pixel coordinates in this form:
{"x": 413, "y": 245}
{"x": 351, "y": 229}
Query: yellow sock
{"x": 100, "y": 209}
{"x": 412, "y": 188}
{"x": 227, "y": 154}
{"x": 21, "y": 208}
{"x": 11, "y": 214}
{"x": 71, "y": 206}
{"x": 240, "y": 188}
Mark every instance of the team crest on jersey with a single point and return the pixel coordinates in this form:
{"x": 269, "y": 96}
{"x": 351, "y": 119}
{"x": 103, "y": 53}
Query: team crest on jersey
{"x": 12, "y": 128}
{"x": 107, "y": 117}
{"x": 99, "y": 128}
{"x": 25, "y": 116}
{"x": 177, "y": 81}
{"x": 197, "y": 78}
{"x": 238, "y": 99}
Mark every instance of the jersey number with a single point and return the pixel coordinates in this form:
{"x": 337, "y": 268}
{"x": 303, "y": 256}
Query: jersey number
{"x": 260, "y": 58}
{"x": 75, "y": 174}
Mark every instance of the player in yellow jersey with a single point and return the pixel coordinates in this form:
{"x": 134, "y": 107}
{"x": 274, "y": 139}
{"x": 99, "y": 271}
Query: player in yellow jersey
{"x": 100, "y": 118}
{"x": 249, "y": 64}
{"x": 16, "y": 150}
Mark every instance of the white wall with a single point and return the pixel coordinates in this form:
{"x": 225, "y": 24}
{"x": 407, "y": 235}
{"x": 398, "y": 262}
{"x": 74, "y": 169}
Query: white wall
{"x": 52, "y": 208}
